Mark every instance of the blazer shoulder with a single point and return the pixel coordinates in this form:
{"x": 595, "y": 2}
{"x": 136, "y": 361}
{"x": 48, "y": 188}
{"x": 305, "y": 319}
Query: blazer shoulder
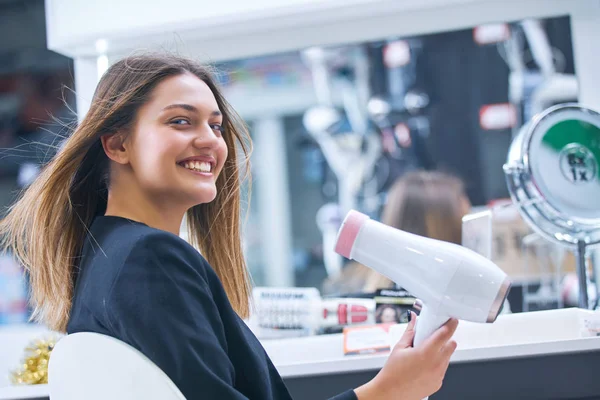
{"x": 166, "y": 248}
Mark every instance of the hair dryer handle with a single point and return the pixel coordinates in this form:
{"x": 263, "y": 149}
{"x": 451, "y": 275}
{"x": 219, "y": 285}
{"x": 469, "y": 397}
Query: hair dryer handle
{"x": 427, "y": 323}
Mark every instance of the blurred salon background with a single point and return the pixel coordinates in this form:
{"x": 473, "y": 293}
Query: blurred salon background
{"x": 412, "y": 131}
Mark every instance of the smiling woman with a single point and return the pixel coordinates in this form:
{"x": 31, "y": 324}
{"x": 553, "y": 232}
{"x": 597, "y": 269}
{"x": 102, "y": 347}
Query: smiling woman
{"x": 170, "y": 159}
{"x": 98, "y": 233}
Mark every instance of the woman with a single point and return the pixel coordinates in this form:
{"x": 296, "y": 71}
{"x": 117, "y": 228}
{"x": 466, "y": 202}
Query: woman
{"x": 387, "y": 314}
{"x": 426, "y": 203}
{"x": 98, "y": 232}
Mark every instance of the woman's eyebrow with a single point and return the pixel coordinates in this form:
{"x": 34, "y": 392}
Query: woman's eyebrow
{"x": 191, "y": 108}
{"x": 187, "y": 107}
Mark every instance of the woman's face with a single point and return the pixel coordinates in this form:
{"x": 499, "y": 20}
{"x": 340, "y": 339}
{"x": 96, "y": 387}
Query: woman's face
{"x": 176, "y": 150}
{"x": 388, "y": 315}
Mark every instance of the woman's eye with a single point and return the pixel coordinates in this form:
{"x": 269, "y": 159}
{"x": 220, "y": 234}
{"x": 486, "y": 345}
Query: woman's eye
{"x": 180, "y": 121}
{"x": 218, "y": 127}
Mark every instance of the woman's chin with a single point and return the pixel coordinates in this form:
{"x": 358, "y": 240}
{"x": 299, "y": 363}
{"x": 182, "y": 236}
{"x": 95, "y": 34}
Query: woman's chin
{"x": 203, "y": 196}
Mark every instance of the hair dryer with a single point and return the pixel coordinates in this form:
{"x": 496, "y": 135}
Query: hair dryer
{"x": 450, "y": 280}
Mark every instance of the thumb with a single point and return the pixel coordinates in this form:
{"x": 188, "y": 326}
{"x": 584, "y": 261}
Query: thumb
{"x": 406, "y": 340}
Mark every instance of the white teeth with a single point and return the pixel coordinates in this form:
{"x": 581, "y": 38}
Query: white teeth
{"x": 201, "y": 166}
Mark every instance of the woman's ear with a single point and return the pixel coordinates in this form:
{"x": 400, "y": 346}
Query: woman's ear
{"x": 114, "y": 148}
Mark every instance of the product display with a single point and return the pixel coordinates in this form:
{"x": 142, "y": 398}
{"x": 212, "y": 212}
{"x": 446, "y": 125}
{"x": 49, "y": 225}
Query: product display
{"x": 392, "y": 306}
{"x": 292, "y": 312}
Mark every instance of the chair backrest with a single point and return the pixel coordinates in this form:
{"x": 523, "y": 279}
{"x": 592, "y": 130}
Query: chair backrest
{"x": 92, "y": 366}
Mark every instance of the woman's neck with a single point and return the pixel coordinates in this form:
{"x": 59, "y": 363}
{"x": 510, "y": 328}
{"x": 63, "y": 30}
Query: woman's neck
{"x": 133, "y": 205}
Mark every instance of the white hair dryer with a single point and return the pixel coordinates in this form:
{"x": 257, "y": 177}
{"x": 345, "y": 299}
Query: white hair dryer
{"x": 450, "y": 280}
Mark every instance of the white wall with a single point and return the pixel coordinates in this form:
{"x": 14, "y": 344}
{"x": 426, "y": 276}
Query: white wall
{"x": 585, "y": 29}
{"x": 235, "y": 28}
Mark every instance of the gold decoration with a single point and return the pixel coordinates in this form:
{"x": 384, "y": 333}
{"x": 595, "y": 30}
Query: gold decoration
{"x": 34, "y": 367}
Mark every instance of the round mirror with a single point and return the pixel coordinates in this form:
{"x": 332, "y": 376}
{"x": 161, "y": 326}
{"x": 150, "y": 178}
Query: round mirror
{"x": 553, "y": 174}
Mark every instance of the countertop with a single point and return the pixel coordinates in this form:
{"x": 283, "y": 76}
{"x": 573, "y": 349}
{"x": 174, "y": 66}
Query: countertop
{"x": 511, "y": 336}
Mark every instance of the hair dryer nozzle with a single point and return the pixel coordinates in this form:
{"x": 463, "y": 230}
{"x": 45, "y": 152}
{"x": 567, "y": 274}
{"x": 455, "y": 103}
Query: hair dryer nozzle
{"x": 349, "y": 232}
{"x": 499, "y": 300}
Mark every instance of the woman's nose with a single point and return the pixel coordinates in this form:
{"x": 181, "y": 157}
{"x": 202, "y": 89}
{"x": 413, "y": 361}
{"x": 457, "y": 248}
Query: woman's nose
{"x": 206, "y": 137}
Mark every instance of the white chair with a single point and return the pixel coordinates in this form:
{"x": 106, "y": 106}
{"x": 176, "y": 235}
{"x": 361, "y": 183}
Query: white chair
{"x": 92, "y": 366}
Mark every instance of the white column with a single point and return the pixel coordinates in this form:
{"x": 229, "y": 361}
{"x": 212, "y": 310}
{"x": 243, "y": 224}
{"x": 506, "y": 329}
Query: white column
{"x": 86, "y": 79}
{"x": 585, "y": 30}
{"x": 273, "y": 197}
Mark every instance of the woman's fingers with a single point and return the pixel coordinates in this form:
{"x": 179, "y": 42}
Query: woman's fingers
{"x": 448, "y": 349}
{"x": 409, "y": 334}
{"x": 440, "y": 337}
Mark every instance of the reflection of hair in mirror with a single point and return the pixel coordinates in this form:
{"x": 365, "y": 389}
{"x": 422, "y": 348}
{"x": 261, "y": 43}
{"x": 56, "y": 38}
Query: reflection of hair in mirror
{"x": 426, "y": 203}
{"x": 386, "y": 314}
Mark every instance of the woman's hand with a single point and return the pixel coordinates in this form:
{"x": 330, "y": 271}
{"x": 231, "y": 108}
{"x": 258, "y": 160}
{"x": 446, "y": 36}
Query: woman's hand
{"x": 409, "y": 373}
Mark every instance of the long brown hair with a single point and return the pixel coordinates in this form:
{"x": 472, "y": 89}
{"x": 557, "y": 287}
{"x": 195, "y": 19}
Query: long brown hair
{"x": 426, "y": 203}
{"x": 46, "y": 227}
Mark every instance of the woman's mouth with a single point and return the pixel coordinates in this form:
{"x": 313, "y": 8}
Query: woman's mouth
{"x": 199, "y": 167}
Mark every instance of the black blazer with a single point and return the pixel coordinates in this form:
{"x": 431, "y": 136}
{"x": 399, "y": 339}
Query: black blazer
{"x": 152, "y": 290}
